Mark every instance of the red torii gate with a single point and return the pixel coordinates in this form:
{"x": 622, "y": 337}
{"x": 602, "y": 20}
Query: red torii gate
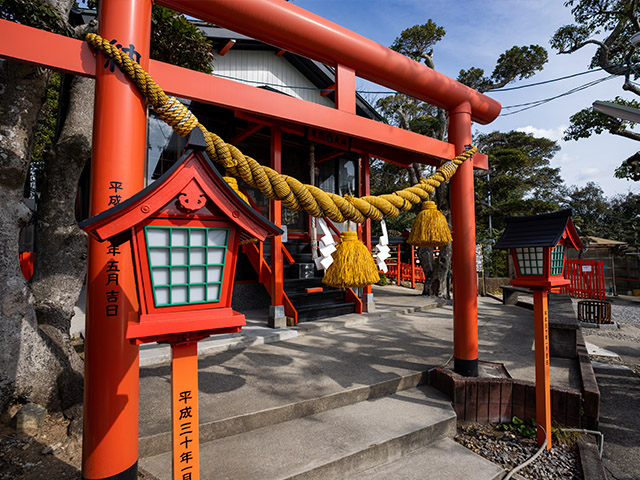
{"x": 110, "y": 448}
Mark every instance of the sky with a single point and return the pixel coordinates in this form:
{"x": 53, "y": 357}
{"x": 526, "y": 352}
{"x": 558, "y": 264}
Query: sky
{"x": 477, "y": 33}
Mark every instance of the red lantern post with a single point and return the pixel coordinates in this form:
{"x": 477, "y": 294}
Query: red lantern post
{"x": 184, "y": 231}
{"x": 538, "y": 244}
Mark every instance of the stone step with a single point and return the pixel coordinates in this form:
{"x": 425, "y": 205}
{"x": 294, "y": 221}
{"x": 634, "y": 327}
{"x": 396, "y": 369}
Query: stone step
{"x": 158, "y": 443}
{"x": 316, "y": 312}
{"x": 337, "y": 443}
{"x": 442, "y": 460}
{"x": 327, "y": 296}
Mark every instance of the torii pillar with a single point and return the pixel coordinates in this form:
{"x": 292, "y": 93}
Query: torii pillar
{"x": 110, "y": 438}
{"x": 463, "y": 230}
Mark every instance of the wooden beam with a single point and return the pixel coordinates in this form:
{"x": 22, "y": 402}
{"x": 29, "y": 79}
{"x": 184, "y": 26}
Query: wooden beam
{"x": 226, "y": 47}
{"x": 38, "y": 47}
{"x": 246, "y": 133}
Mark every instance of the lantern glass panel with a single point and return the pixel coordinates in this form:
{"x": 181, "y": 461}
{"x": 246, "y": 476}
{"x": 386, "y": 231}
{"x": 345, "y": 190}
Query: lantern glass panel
{"x": 161, "y": 276}
{"x": 179, "y": 256}
{"x": 196, "y": 275}
{"x": 530, "y": 260}
{"x": 179, "y": 237}
{"x": 215, "y": 256}
{"x": 198, "y": 238}
{"x": 557, "y": 260}
{"x": 197, "y": 294}
{"x": 159, "y": 257}
{"x": 197, "y": 256}
{"x": 187, "y": 264}
{"x": 213, "y": 292}
{"x": 179, "y": 275}
{"x": 158, "y": 237}
{"x": 180, "y": 295}
{"x": 214, "y": 274}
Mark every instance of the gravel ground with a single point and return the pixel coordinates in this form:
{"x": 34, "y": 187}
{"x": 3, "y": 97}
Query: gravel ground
{"x": 509, "y": 450}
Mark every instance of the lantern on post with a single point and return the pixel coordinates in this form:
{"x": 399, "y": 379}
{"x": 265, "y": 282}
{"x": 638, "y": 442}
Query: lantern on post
{"x": 184, "y": 231}
{"x": 538, "y": 246}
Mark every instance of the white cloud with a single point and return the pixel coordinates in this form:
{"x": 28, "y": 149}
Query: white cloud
{"x": 587, "y": 174}
{"x": 550, "y": 133}
{"x": 564, "y": 159}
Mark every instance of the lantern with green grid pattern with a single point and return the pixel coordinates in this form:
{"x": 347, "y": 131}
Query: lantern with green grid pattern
{"x": 538, "y": 248}
{"x": 184, "y": 231}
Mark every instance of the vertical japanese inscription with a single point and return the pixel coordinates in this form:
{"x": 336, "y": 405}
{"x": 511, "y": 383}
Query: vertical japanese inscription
{"x": 186, "y": 433}
{"x": 112, "y": 268}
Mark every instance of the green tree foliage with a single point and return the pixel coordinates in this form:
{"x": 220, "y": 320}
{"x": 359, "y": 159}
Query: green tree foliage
{"x": 607, "y": 26}
{"x": 34, "y": 13}
{"x": 177, "y": 41}
{"x": 591, "y": 209}
{"x": 624, "y": 219}
{"x": 517, "y": 63}
{"x": 589, "y": 122}
{"x": 418, "y": 43}
{"x": 520, "y": 180}
{"x": 615, "y": 218}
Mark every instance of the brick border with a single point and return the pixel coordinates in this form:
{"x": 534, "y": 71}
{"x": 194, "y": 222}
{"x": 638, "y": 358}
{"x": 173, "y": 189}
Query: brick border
{"x": 498, "y": 400}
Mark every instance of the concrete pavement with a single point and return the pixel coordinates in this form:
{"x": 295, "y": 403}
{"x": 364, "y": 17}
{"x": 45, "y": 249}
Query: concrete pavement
{"x": 262, "y": 379}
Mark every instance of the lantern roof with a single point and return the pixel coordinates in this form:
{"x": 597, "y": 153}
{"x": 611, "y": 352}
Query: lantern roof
{"x": 193, "y": 178}
{"x": 545, "y": 230}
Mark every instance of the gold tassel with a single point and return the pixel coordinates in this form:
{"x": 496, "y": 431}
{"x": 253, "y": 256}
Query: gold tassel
{"x": 430, "y": 228}
{"x": 233, "y": 183}
{"x": 352, "y": 266}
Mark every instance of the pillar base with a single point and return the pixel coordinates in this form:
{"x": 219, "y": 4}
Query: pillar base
{"x": 277, "y": 318}
{"x": 130, "y": 473}
{"x": 466, "y": 368}
{"x": 368, "y": 305}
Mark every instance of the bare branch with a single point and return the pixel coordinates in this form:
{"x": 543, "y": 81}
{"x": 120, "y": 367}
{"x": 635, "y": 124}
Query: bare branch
{"x": 630, "y": 87}
{"x": 627, "y": 134}
{"x": 580, "y": 45}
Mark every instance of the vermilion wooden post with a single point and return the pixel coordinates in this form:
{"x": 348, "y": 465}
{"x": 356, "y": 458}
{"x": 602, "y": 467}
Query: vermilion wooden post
{"x": 276, "y": 311}
{"x": 110, "y": 439}
{"x": 543, "y": 385}
{"x": 367, "y": 295}
{"x": 345, "y": 88}
{"x": 463, "y": 231}
{"x": 184, "y": 411}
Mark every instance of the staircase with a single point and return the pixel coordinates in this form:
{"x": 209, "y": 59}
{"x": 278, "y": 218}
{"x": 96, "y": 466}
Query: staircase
{"x": 306, "y": 297}
{"x": 303, "y": 285}
{"x": 351, "y": 403}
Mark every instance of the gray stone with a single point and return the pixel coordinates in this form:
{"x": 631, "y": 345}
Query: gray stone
{"x": 30, "y": 418}
{"x": 277, "y": 318}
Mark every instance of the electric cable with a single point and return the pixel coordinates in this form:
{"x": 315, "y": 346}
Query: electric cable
{"x": 530, "y": 460}
{"x": 537, "y": 103}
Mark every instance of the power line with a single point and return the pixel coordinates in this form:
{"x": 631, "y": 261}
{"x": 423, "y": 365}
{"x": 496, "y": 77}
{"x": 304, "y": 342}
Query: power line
{"x": 537, "y": 103}
{"x": 521, "y": 107}
{"x": 390, "y": 92}
{"x": 545, "y": 82}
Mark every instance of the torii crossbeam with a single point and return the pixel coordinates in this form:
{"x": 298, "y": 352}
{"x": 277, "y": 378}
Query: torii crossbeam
{"x": 110, "y": 448}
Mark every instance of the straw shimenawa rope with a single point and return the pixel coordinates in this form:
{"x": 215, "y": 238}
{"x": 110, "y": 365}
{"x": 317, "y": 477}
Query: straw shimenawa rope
{"x": 291, "y": 192}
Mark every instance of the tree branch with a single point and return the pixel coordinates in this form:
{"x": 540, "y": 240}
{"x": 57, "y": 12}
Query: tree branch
{"x": 627, "y": 134}
{"x": 578, "y": 46}
{"x": 630, "y": 87}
